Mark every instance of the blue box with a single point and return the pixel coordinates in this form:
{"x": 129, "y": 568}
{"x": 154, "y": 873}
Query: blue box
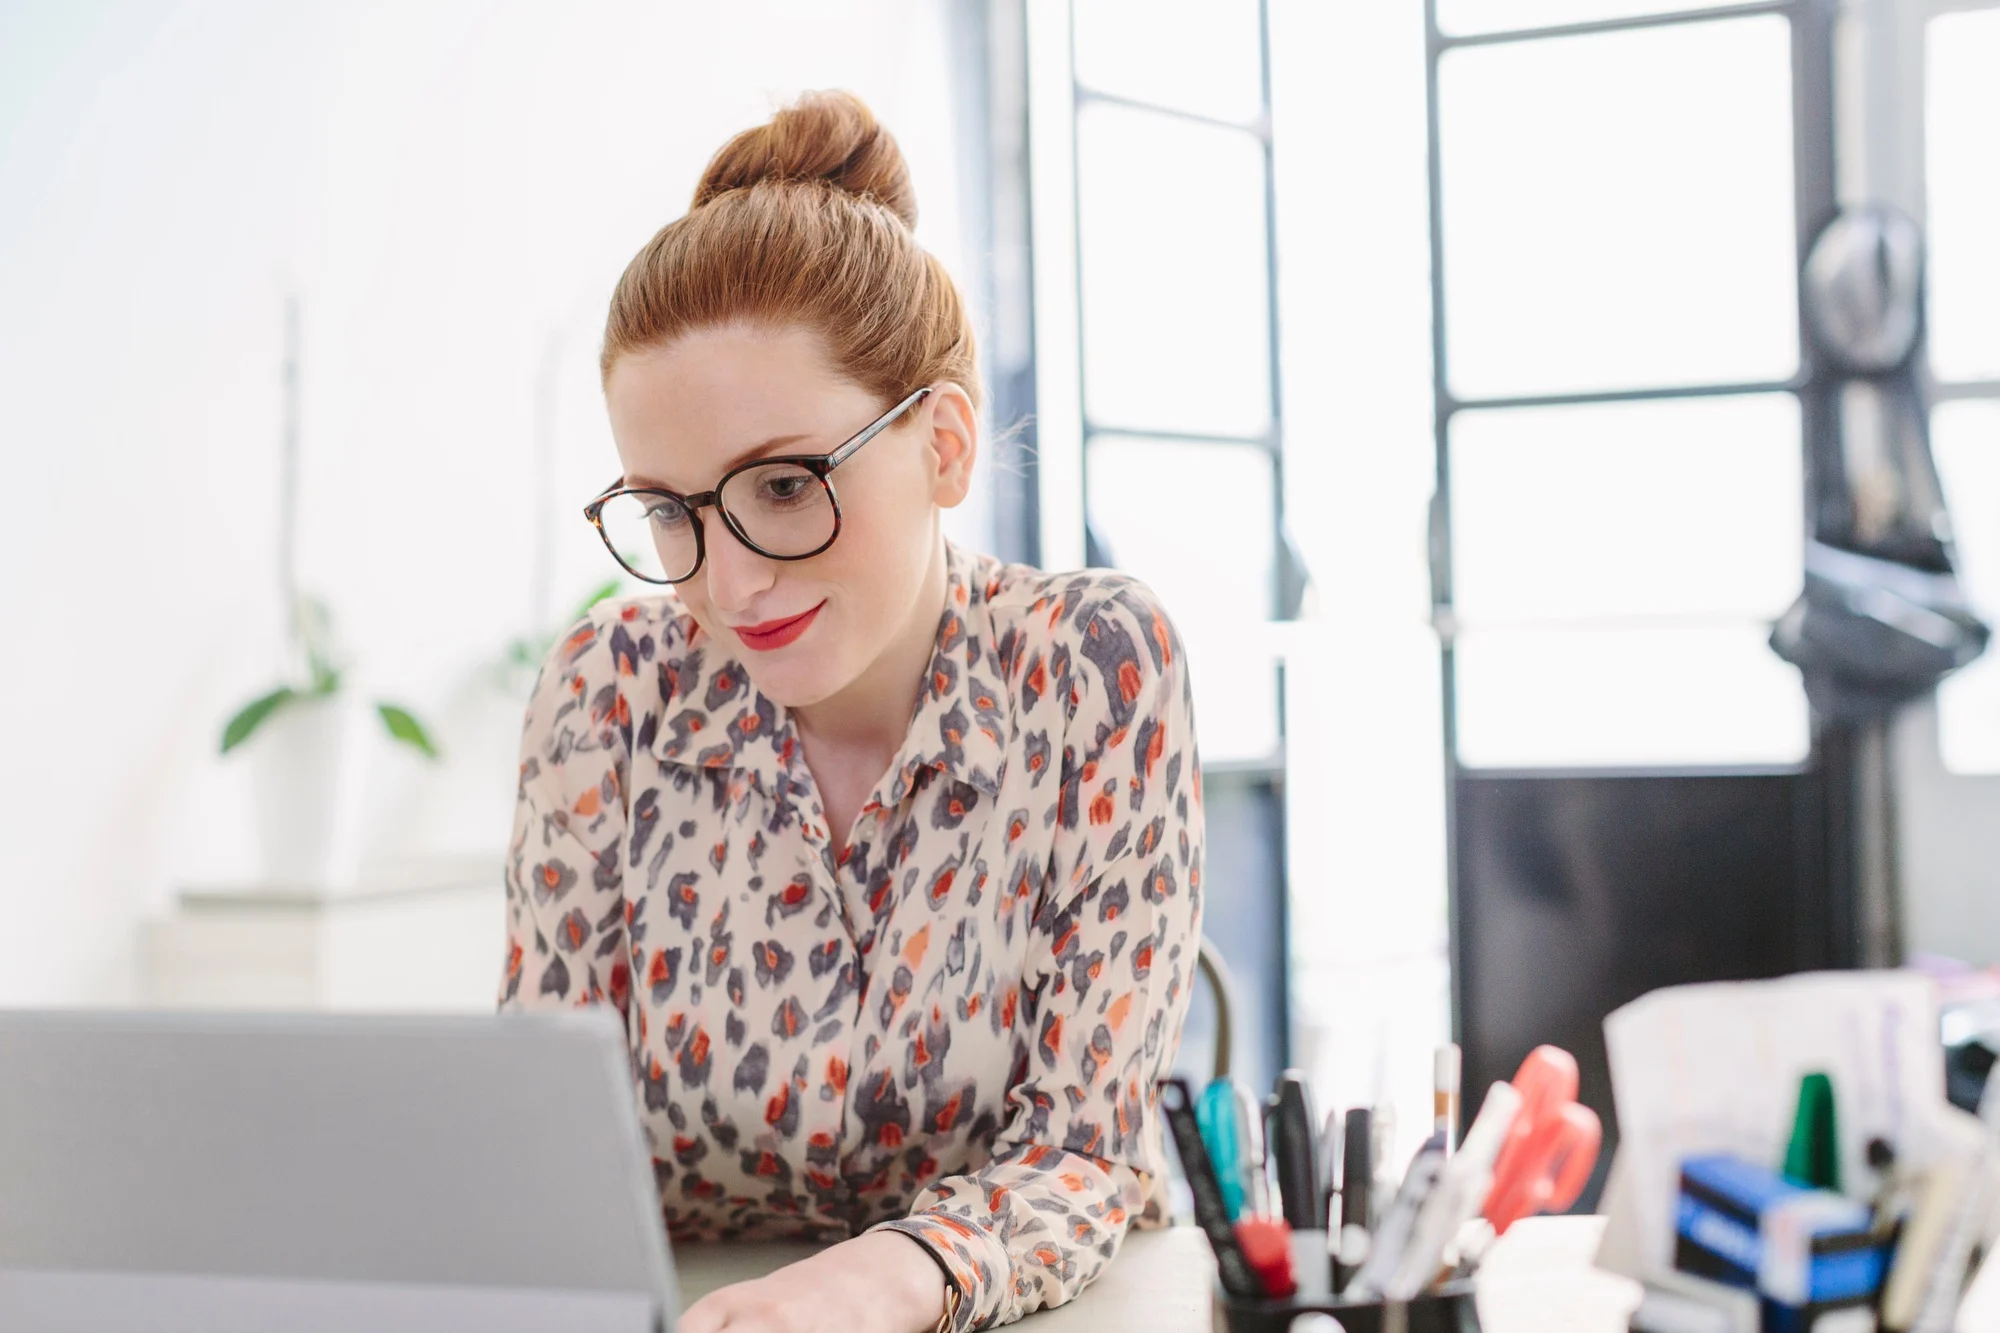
{"x": 1746, "y": 1225}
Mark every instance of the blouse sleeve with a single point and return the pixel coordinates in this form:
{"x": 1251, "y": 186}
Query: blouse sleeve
{"x": 1112, "y": 958}
{"x": 565, "y": 906}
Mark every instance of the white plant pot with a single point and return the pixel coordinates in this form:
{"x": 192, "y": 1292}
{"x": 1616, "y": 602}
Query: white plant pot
{"x": 298, "y": 762}
{"x": 452, "y": 809}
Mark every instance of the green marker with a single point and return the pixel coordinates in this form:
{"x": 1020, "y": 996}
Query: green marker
{"x": 1813, "y": 1157}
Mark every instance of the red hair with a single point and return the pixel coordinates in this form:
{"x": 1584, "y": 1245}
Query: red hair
{"x": 804, "y": 221}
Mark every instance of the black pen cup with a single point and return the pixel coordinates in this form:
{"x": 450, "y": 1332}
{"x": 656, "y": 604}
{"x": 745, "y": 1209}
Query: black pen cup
{"x": 1448, "y": 1309}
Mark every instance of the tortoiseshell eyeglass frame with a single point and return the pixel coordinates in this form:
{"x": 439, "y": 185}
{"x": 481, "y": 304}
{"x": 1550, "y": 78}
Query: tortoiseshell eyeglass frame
{"x": 820, "y": 466}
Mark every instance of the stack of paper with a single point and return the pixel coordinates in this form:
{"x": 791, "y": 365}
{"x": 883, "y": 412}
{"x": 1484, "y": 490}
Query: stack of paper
{"x": 1716, "y": 1068}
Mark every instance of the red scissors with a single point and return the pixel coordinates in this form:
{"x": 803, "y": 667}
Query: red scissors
{"x": 1551, "y": 1147}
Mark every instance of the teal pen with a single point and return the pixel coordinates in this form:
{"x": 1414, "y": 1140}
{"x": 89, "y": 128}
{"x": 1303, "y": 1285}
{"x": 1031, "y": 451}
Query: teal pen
{"x": 1222, "y": 1134}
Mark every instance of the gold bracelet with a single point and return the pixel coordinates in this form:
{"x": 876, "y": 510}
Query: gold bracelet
{"x": 952, "y": 1297}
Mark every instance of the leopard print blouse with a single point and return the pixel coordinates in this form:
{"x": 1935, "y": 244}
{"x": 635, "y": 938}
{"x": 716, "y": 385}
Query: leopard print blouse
{"x": 954, "y": 1029}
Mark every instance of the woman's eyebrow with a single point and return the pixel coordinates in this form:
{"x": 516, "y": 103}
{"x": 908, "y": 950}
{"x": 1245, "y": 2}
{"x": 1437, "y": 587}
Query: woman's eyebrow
{"x": 771, "y": 445}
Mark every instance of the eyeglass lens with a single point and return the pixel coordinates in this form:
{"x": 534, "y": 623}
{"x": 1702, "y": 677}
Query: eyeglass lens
{"x": 781, "y": 509}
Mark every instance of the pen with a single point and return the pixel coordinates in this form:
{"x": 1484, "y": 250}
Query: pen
{"x": 1382, "y": 1138}
{"x": 1445, "y": 1069}
{"x": 1295, "y": 1151}
{"x": 1265, "y": 1240}
{"x": 1238, "y": 1278}
{"x": 1256, "y": 1172}
{"x": 1222, "y": 1134}
{"x": 1332, "y": 1144}
{"x": 1459, "y": 1193}
{"x": 1357, "y": 1175}
{"x": 1267, "y": 1246}
{"x": 1388, "y": 1248}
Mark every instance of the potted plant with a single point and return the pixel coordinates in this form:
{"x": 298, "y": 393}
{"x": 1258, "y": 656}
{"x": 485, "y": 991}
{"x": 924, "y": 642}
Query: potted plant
{"x": 524, "y": 654}
{"x": 301, "y": 726}
{"x": 301, "y": 730}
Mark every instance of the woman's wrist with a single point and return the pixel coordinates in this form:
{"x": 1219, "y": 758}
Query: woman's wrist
{"x": 878, "y": 1282}
{"x": 903, "y": 1280}
{"x": 949, "y": 1295}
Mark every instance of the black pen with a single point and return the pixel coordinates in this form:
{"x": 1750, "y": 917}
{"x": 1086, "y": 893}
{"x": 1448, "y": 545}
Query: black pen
{"x": 1357, "y": 1173}
{"x": 1238, "y": 1278}
{"x": 1296, "y": 1153}
{"x": 1332, "y": 1141}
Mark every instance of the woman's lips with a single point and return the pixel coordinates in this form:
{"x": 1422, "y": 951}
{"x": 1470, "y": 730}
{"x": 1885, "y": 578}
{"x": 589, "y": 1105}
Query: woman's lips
{"x": 776, "y": 633}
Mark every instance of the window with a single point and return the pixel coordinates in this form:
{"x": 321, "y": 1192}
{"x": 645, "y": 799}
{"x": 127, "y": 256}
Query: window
{"x": 1965, "y": 436}
{"x": 1173, "y": 274}
{"x": 1647, "y": 243}
{"x": 1621, "y": 449}
{"x": 1962, "y": 142}
{"x": 1617, "y": 568}
{"x": 1466, "y": 17}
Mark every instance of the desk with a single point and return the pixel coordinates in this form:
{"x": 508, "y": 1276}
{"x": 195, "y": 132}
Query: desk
{"x": 1538, "y": 1279}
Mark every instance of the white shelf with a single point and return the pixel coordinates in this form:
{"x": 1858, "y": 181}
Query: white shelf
{"x": 429, "y": 940}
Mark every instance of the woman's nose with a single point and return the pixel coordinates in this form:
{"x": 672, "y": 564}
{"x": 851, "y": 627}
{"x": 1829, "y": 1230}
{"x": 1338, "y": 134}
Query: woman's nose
{"x": 735, "y": 573}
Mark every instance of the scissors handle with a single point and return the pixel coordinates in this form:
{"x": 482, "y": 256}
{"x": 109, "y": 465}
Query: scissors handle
{"x": 1549, "y": 1171}
{"x": 1552, "y": 1146}
{"x": 1547, "y": 1081}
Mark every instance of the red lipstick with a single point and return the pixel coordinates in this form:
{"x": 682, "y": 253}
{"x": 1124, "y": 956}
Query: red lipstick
{"x": 776, "y": 633}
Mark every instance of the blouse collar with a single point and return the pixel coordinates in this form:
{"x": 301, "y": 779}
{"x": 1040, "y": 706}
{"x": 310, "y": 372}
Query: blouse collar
{"x": 713, "y": 716}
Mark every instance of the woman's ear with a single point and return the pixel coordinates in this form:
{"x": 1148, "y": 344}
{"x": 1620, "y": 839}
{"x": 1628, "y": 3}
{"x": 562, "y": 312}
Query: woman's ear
{"x": 954, "y": 442}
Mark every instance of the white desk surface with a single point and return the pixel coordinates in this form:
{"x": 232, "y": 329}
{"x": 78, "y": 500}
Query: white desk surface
{"x": 1537, "y": 1279}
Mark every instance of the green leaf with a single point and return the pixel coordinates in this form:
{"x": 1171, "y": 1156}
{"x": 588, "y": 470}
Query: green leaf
{"x": 325, "y": 679}
{"x": 252, "y": 715}
{"x": 404, "y": 727}
{"x": 609, "y": 588}
{"x": 315, "y": 626}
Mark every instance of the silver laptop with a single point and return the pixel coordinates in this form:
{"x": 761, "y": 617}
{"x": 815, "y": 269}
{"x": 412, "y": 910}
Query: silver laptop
{"x": 228, "y": 1172}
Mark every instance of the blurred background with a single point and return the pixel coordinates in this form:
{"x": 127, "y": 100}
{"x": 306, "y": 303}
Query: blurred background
{"x": 1441, "y": 365}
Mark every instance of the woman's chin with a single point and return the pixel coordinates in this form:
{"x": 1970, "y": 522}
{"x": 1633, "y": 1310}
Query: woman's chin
{"x": 796, "y": 677}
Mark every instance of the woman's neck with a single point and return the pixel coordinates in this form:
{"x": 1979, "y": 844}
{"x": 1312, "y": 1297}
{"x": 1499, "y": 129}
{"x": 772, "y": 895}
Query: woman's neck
{"x": 871, "y": 715}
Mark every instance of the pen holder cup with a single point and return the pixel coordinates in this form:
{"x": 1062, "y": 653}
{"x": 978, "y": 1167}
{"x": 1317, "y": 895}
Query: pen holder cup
{"x": 1449, "y": 1309}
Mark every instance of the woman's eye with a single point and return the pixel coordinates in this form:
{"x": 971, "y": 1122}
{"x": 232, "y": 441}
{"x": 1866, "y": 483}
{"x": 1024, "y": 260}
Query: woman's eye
{"x": 666, "y": 515}
{"x": 786, "y": 488}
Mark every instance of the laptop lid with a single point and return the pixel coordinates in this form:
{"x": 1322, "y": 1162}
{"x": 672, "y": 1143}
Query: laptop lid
{"x": 437, "y": 1152}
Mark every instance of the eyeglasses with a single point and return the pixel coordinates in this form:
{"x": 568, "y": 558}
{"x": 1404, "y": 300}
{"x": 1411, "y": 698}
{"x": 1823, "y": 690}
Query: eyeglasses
{"x": 783, "y": 508}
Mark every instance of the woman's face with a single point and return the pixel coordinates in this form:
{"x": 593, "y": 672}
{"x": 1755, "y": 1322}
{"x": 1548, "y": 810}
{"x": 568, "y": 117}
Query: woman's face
{"x": 686, "y": 413}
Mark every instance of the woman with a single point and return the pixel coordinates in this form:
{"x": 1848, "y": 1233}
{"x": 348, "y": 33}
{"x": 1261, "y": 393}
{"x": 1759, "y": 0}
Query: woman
{"x": 889, "y": 854}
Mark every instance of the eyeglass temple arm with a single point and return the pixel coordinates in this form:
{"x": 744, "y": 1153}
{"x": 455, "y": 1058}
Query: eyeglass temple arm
{"x": 882, "y": 423}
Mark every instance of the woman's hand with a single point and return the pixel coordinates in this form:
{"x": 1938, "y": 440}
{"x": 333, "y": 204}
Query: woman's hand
{"x": 882, "y": 1282}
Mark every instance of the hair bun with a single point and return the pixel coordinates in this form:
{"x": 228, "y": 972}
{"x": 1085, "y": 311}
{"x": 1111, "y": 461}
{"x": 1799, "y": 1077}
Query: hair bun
{"x": 830, "y": 137}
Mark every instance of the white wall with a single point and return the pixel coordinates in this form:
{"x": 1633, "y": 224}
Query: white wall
{"x": 450, "y": 187}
